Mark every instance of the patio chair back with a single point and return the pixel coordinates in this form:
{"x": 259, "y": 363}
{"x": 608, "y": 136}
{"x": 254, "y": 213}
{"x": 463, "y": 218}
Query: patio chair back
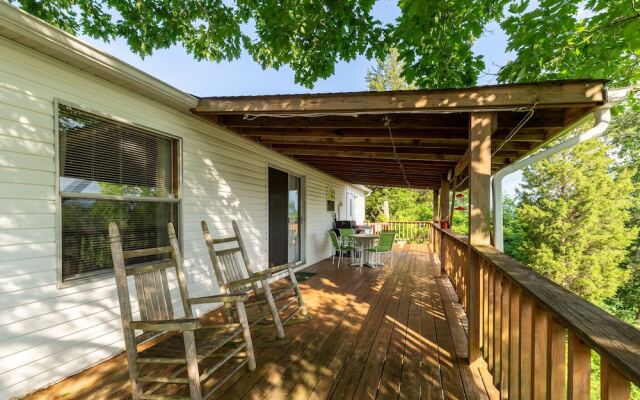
{"x": 385, "y": 243}
{"x": 148, "y": 267}
{"x": 229, "y": 258}
{"x": 334, "y": 240}
{"x": 344, "y": 232}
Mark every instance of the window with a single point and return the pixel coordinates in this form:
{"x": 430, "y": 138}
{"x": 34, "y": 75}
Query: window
{"x": 110, "y": 171}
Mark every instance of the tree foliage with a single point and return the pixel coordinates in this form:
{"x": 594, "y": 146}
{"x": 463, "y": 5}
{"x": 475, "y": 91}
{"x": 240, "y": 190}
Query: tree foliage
{"x": 574, "y": 211}
{"x": 387, "y": 74}
{"x": 573, "y": 39}
{"x": 434, "y": 39}
{"x": 404, "y": 204}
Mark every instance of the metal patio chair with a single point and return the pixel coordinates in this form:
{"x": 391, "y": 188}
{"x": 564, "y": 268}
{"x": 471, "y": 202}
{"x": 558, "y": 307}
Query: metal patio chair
{"x": 384, "y": 245}
{"x": 235, "y": 275}
{"x": 340, "y": 247}
{"x": 197, "y": 348}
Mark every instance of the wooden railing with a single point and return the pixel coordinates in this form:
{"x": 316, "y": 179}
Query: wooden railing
{"x": 405, "y": 230}
{"x": 536, "y": 336}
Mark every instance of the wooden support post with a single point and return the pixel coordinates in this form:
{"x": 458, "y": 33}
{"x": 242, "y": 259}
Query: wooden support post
{"x": 482, "y": 125}
{"x": 436, "y": 211}
{"x": 444, "y": 209}
{"x": 444, "y": 200}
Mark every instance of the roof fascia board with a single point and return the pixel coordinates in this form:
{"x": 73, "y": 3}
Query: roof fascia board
{"x": 26, "y": 29}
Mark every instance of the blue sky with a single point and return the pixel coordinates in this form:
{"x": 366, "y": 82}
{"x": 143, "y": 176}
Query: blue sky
{"x": 245, "y": 77}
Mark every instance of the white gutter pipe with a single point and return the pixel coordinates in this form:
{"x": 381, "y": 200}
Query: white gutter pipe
{"x": 603, "y": 119}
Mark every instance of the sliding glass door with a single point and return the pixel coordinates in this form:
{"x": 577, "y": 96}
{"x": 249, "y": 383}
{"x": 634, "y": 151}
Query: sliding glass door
{"x": 294, "y": 219}
{"x": 285, "y": 217}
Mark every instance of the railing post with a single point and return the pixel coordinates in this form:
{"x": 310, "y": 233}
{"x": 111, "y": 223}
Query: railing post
{"x": 482, "y": 125}
{"x": 436, "y": 211}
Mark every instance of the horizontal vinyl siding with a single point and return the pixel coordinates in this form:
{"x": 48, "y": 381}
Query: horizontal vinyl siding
{"x": 46, "y": 333}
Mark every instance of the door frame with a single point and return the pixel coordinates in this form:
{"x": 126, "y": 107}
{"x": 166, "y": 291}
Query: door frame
{"x": 303, "y": 210}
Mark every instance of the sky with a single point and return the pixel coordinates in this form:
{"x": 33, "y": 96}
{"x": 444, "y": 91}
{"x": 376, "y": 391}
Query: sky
{"x": 244, "y": 77}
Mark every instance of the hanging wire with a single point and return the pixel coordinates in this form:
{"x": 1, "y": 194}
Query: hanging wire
{"x": 387, "y": 123}
{"x": 517, "y": 128}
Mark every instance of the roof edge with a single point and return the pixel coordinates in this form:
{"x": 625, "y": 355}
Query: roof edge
{"x": 21, "y": 27}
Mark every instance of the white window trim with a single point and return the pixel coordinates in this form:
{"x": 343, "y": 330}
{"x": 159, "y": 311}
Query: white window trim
{"x": 101, "y": 275}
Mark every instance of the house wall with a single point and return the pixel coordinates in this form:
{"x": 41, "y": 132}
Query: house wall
{"x": 47, "y": 333}
{"x": 357, "y": 196}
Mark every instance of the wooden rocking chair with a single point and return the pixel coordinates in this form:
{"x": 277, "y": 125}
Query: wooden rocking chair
{"x": 176, "y": 359}
{"x": 235, "y": 276}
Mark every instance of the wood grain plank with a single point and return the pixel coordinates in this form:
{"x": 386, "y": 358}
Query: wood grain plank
{"x": 540, "y": 354}
{"x": 556, "y": 370}
{"x": 579, "y": 375}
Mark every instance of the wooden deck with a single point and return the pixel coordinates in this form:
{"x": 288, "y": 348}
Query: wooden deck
{"x": 394, "y": 333}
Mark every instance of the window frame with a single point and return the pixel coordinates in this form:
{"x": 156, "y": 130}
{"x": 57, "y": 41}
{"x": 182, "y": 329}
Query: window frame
{"x": 177, "y": 166}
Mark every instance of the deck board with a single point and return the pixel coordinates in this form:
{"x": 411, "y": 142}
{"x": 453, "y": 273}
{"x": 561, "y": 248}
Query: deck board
{"x": 394, "y": 332}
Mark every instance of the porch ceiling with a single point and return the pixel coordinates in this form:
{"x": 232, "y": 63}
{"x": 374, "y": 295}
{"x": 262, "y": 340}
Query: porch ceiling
{"x": 352, "y": 135}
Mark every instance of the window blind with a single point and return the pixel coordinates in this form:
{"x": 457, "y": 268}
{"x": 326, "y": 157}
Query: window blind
{"x": 111, "y": 172}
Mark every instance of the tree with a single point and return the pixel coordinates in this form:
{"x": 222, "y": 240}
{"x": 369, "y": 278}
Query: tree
{"x": 593, "y": 39}
{"x": 387, "y": 74}
{"x": 404, "y": 204}
{"x": 512, "y": 229}
{"x": 624, "y": 135}
{"x": 574, "y": 209}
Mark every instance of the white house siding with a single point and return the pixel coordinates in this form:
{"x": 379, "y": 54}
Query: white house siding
{"x": 47, "y": 333}
{"x": 358, "y": 196}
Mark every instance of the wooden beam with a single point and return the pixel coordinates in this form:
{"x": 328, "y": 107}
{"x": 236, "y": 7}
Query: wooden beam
{"x": 454, "y": 122}
{"x": 360, "y": 161}
{"x": 292, "y": 148}
{"x": 480, "y": 129}
{"x": 373, "y": 155}
{"x": 533, "y": 135}
{"x": 544, "y": 94}
{"x": 458, "y": 144}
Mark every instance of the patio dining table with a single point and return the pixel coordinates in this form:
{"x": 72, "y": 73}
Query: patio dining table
{"x": 365, "y": 241}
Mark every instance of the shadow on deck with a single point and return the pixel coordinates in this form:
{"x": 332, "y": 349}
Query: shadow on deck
{"x": 397, "y": 332}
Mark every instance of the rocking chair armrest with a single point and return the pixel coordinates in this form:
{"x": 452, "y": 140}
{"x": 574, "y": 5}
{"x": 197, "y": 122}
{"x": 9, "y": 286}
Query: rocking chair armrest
{"x": 269, "y": 272}
{"x": 190, "y": 324}
{"x": 282, "y": 267}
{"x": 244, "y": 282}
{"x": 177, "y": 325}
{"x": 219, "y": 298}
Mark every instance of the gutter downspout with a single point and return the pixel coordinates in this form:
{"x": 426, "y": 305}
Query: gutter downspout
{"x": 603, "y": 119}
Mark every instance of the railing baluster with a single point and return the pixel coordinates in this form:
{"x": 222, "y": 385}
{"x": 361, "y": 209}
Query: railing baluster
{"x": 556, "y": 361}
{"x": 540, "y": 349}
{"x": 579, "y": 376}
{"x": 497, "y": 337}
{"x": 492, "y": 310}
{"x": 485, "y": 308}
{"x": 613, "y": 385}
{"x": 527, "y": 369}
{"x": 504, "y": 343}
{"x": 514, "y": 343}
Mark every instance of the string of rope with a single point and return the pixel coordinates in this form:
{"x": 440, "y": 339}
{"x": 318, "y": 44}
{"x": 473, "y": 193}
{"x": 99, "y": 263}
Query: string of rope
{"x": 251, "y": 116}
{"x": 517, "y": 128}
{"x": 387, "y": 123}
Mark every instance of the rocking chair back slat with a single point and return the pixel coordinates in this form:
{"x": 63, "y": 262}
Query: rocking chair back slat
{"x": 150, "y": 277}
{"x": 154, "y": 298}
{"x": 230, "y": 264}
